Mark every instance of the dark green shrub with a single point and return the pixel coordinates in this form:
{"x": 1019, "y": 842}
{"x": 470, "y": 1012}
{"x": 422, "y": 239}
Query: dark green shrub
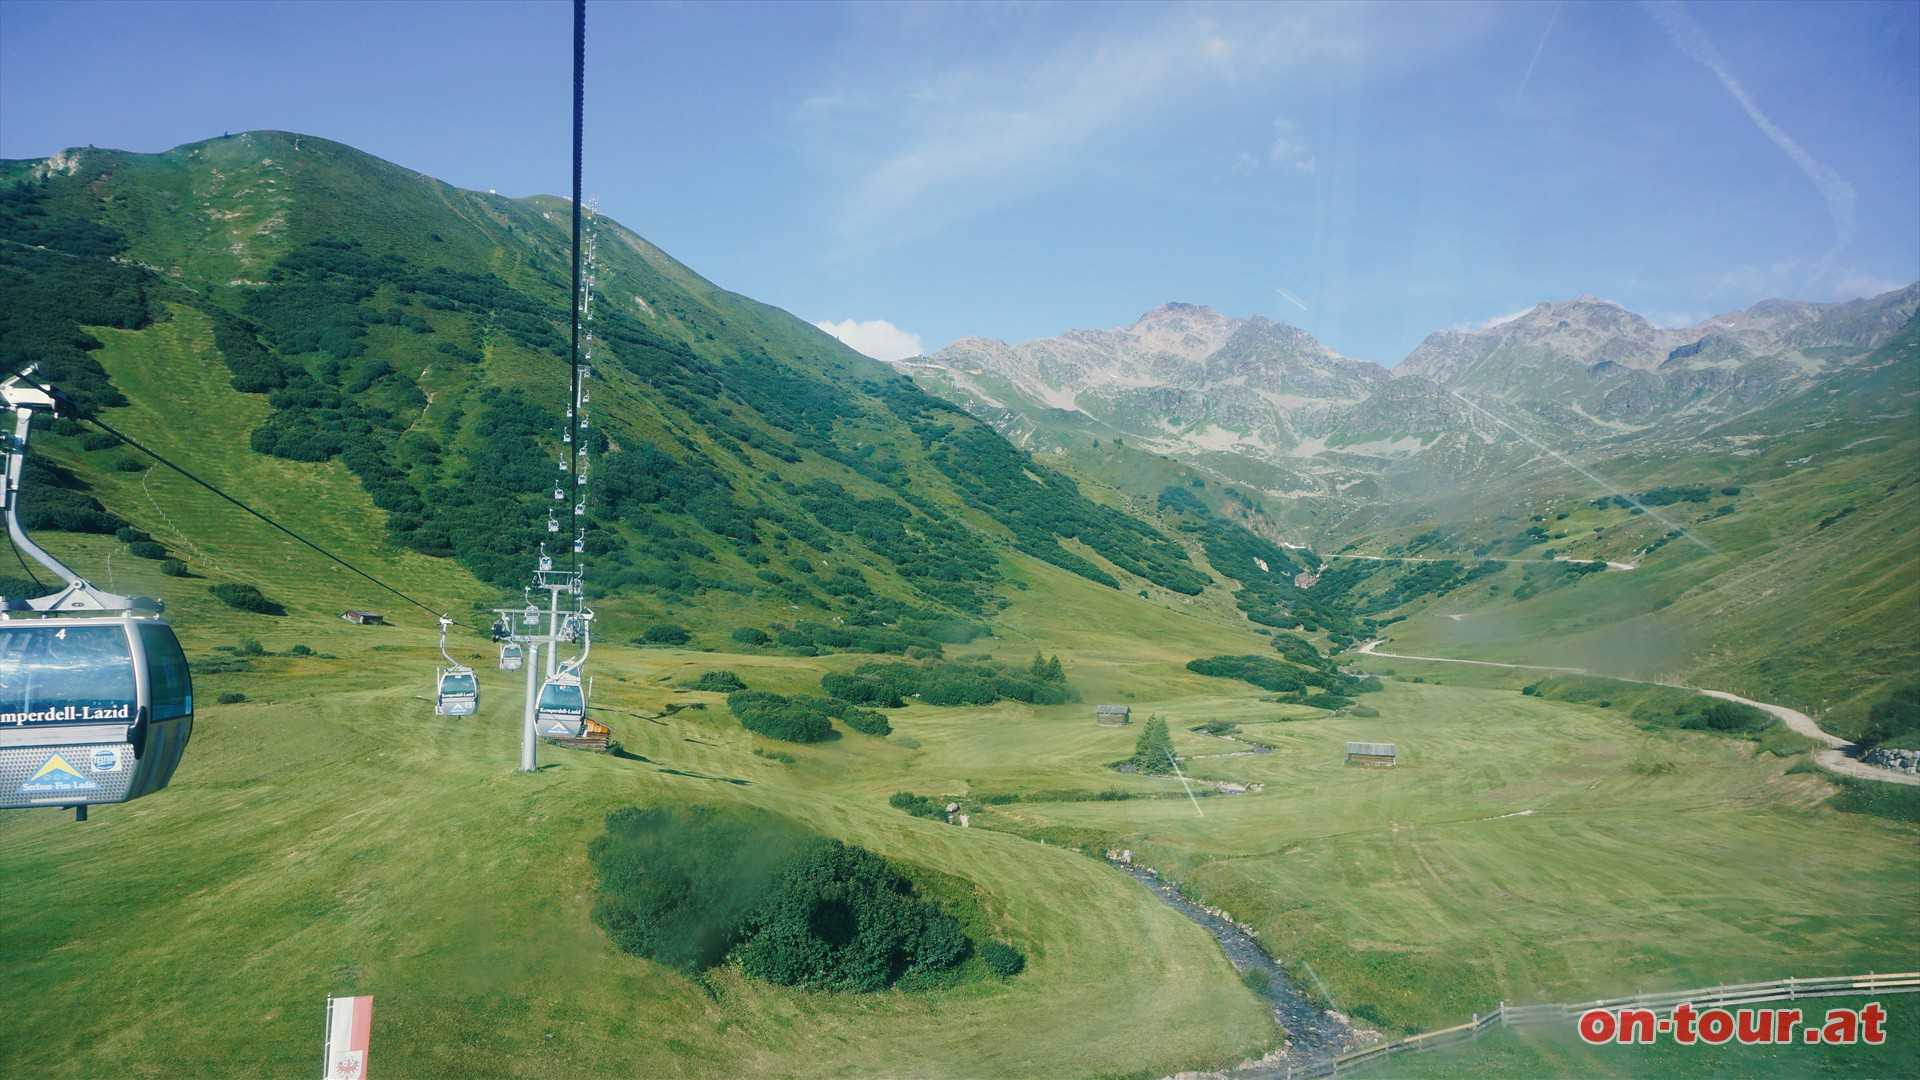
{"x": 776, "y": 717}
{"x": 131, "y": 535}
{"x": 840, "y": 918}
{"x": 231, "y": 697}
{"x": 245, "y": 597}
{"x": 751, "y": 635}
{"x": 867, "y": 722}
{"x": 1729, "y": 716}
{"x": 98, "y": 440}
{"x": 173, "y": 568}
{"x": 1894, "y": 718}
{"x": 1261, "y": 671}
{"x": 861, "y": 690}
{"x": 719, "y": 682}
{"x": 299, "y": 650}
{"x": 677, "y": 883}
{"x": 132, "y": 464}
{"x": 917, "y": 805}
{"x": 249, "y": 647}
{"x": 666, "y": 634}
{"x": 147, "y": 549}
{"x": 1002, "y": 959}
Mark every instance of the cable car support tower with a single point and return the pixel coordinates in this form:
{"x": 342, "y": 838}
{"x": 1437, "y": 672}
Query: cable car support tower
{"x": 556, "y": 705}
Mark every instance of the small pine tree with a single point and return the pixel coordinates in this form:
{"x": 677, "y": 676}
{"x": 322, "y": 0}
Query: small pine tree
{"x": 1054, "y": 672}
{"x": 1038, "y": 669}
{"x": 1153, "y": 753}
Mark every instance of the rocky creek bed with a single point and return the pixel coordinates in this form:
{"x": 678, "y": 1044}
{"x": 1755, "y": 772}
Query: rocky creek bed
{"x": 1313, "y": 1033}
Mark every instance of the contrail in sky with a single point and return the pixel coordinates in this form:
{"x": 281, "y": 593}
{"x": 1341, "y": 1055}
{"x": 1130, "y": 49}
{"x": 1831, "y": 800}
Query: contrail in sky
{"x": 1687, "y": 36}
{"x": 1294, "y": 299}
{"x": 1538, "y": 49}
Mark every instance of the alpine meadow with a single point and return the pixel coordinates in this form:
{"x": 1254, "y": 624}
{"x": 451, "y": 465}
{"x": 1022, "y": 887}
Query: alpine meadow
{"x": 1177, "y": 698}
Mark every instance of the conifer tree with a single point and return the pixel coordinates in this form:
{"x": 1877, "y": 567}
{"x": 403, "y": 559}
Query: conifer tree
{"x": 1153, "y": 753}
{"x": 1054, "y": 672}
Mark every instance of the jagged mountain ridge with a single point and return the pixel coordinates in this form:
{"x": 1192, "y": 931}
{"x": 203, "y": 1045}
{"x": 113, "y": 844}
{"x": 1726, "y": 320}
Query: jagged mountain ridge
{"x": 1195, "y": 383}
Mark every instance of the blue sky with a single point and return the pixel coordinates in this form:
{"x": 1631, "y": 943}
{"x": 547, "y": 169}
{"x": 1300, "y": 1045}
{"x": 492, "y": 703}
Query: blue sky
{"x": 1366, "y": 172}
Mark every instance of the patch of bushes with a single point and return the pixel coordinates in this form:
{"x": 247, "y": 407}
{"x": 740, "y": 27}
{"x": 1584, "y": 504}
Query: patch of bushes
{"x": 173, "y": 567}
{"x": 778, "y": 717}
{"x": 861, "y": 690}
{"x": 719, "y": 682}
{"x": 1894, "y": 720}
{"x": 751, "y": 635}
{"x": 147, "y": 549}
{"x": 1263, "y": 672}
{"x": 867, "y": 722}
{"x": 240, "y": 595}
{"x": 231, "y": 697}
{"x": 693, "y": 887}
{"x": 948, "y": 683}
{"x": 1002, "y": 959}
{"x": 918, "y": 805}
{"x": 666, "y": 634}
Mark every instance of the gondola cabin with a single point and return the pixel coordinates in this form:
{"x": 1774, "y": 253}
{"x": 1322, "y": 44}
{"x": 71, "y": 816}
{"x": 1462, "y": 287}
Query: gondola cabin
{"x": 459, "y": 693}
{"x": 562, "y": 710}
{"x": 511, "y": 657}
{"x": 92, "y": 710}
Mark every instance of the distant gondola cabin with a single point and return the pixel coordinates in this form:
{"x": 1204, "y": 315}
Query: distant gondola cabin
{"x": 1112, "y": 715}
{"x": 1370, "y": 753}
{"x": 364, "y": 618}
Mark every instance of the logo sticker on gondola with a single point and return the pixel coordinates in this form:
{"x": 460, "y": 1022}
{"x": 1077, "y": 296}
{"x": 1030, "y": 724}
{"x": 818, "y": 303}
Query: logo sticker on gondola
{"x": 56, "y": 777}
{"x": 106, "y": 759}
{"x": 560, "y": 728}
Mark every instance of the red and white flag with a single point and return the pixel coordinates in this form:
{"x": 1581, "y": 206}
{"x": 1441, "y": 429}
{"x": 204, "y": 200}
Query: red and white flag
{"x": 349, "y": 1022}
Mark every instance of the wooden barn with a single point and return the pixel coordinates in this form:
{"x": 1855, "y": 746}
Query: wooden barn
{"x": 1112, "y": 715}
{"x": 364, "y": 618}
{"x": 1370, "y": 753}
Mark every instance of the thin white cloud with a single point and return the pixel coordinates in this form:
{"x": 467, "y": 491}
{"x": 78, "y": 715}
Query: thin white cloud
{"x": 1488, "y": 324}
{"x": 964, "y": 138}
{"x": 1687, "y": 36}
{"x": 1290, "y": 149}
{"x": 877, "y": 338}
{"x": 1855, "y": 285}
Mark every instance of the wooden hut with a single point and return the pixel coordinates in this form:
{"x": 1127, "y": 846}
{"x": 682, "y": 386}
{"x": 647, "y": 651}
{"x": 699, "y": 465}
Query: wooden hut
{"x": 1112, "y": 715}
{"x": 364, "y": 618}
{"x": 1370, "y": 753}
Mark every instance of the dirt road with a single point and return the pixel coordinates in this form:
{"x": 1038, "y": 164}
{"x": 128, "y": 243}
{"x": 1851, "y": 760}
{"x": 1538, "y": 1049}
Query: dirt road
{"x": 1837, "y": 757}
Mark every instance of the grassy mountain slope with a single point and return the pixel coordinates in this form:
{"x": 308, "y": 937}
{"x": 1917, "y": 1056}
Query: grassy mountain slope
{"x": 415, "y": 333}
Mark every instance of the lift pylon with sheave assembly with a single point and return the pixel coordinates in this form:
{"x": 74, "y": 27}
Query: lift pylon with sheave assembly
{"x": 96, "y": 702}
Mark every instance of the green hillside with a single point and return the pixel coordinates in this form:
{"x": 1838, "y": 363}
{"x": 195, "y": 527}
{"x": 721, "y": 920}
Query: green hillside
{"x": 415, "y": 333}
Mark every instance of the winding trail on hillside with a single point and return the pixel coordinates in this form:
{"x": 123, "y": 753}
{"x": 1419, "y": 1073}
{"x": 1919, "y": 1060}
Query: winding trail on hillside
{"x": 1837, "y": 757}
{"x": 1608, "y": 563}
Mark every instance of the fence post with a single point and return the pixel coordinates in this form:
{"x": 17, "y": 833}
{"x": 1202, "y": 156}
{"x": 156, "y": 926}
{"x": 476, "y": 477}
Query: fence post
{"x": 1476, "y": 1027}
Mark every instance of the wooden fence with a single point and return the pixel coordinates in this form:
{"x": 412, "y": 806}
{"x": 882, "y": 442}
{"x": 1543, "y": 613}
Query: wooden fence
{"x": 1520, "y": 1015}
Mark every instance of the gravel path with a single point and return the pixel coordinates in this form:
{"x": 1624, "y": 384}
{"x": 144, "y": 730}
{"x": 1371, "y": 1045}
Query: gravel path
{"x": 1837, "y": 757}
{"x": 1312, "y": 1033}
